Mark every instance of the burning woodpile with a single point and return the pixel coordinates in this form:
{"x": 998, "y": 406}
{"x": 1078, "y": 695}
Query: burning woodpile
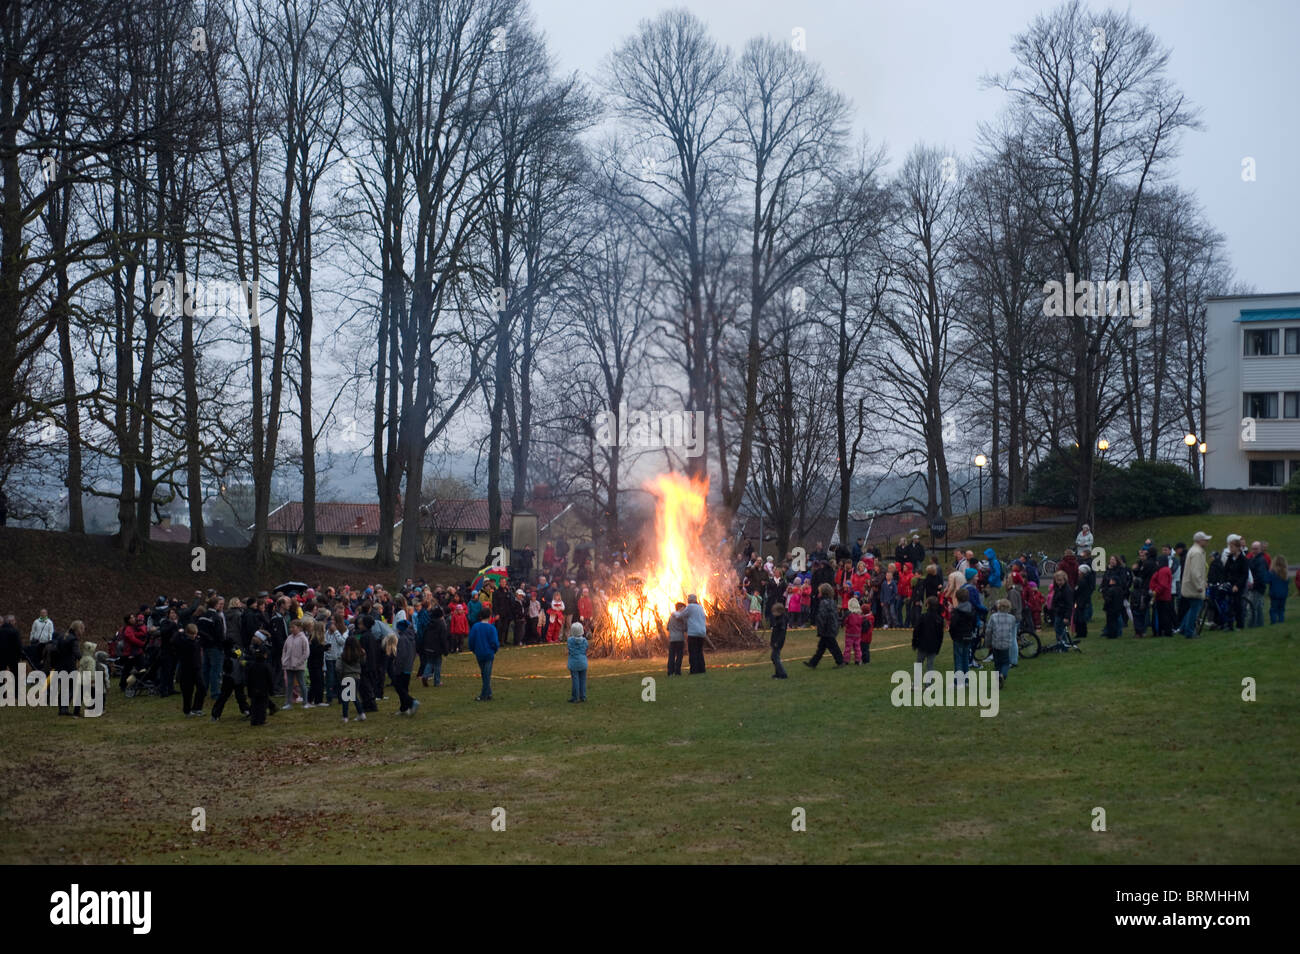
{"x": 632, "y": 620}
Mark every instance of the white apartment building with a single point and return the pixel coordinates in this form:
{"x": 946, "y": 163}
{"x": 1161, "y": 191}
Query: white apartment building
{"x": 1253, "y": 384}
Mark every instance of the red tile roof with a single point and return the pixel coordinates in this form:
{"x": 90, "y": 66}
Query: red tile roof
{"x": 472, "y": 514}
{"x": 335, "y": 518}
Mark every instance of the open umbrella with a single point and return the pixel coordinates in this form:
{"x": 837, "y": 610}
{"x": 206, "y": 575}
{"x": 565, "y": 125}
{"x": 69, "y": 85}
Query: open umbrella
{"x": 292, "y": 588}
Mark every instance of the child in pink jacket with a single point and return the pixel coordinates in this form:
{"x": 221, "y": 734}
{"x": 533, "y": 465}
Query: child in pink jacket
{"x": 794, "y": 602}
{"x": 853, "y": 633}
{"x": 293, "y": 660}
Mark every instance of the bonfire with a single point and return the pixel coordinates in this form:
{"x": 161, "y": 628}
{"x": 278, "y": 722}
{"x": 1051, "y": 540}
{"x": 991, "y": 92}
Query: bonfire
{"x": 632, "y": 619}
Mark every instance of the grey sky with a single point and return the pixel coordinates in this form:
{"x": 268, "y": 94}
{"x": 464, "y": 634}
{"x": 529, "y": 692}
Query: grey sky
{"x": 912, "y": 70}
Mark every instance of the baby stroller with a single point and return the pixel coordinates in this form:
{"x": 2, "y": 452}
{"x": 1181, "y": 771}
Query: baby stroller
{"x": 1218, "y": 603}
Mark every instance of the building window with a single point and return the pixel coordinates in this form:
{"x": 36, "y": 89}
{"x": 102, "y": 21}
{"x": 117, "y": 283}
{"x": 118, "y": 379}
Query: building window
{"x": 372, "y": 541}
{"x": 1261, "y": 405}
{"x": 1292, "y": 341}
{"x": 320, "y": 539}
{"x": 1260, "y": 343}
{"x": 344, "y": 541}
{"x": 471, "y": 537}
{"x": 1295, "y": 467}
{"x": 1291, "y": 404}
{"x": 1266, "y": 473}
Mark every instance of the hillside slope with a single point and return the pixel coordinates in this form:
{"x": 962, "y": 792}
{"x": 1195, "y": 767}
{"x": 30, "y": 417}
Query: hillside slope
{"x": 87, "y": 578}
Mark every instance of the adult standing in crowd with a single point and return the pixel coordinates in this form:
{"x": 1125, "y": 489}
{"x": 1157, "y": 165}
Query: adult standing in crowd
{"x": 916, "y": 554}
{"x": 696, "y": 629}
{"x": 11, "y": 645}
{"x": 927, "y": 634}
{"x": 676, "y": 639}
{"x": 212, "y": 640}
{"x": 1236, "y": 572}
{"x": 483, "y": 644}
{"x": 39, "y": 641}
{"x": 1257, "y": 562}
{"x": 1193, "y": 584}
{"x": 1083, "y": 541}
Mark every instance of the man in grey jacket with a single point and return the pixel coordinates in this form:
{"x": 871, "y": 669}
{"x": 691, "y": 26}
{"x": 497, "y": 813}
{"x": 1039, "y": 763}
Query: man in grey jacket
{"x": 696, "y": 626}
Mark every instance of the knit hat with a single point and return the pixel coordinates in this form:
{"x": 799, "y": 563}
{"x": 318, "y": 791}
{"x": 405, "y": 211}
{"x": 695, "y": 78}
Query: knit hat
{"x": 577, "y": 630}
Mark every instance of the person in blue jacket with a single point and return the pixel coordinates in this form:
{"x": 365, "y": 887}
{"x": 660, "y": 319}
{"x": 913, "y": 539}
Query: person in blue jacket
{"x": 577, "y": 644}
{"x": 483, "y": 643}
{"x": 995, "y": 568}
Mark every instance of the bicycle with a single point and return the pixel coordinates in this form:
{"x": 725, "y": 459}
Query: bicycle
{"x": 1029, "y": 645}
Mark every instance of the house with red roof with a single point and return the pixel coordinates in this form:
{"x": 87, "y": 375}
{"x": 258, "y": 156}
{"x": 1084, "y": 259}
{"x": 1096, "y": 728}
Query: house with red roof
{"x": 349, "y": 530}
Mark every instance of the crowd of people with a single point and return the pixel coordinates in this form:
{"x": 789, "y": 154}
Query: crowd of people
{"x": 1165, "y": 589}
{"x": 321, "y": 646}
{"x": 316, "y": 647}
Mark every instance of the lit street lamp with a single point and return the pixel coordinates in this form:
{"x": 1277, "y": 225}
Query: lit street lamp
{"x": 981, "y": 461}
{"x": 1190, "y": 441}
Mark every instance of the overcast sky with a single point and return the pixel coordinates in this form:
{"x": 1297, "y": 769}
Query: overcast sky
{"x": 912, "y": 69}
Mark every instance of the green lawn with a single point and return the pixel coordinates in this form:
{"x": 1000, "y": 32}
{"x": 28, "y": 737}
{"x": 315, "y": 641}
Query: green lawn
{"x": 1154, "y": 731}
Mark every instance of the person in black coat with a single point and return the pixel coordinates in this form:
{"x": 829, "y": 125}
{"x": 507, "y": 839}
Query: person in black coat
{"x": 169, "y": 630}
{"x": 232, "y": 680}
{"x": 65, "y": 655}
{"x": 375, "y": 668}
{"x": 1062, "y": 607}
{"x": 437, "y": 643}
{"x": 1113, "y": 590}
{"x": 774, "y": 592}
{"x": 189, "y": 662}
{"x": 1083, "y": 601}
{"x": 11, "y": 647}
{"x": 1140, "y": 597}
{"x": 828, "y": 629}
{"x": 927, "y": 634}
{"x": 822, "y": 572}
{"x": 261, "y": 682}
{"x": 1235, "y": 571}
{"x": 777, "y": 639}
{"x": 250, "y": 621}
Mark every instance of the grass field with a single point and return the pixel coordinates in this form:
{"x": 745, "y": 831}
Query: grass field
{"x": 1153, "y": 731}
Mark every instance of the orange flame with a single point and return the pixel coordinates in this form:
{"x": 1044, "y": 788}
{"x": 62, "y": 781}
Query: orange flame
{"x": 680, "y": 517}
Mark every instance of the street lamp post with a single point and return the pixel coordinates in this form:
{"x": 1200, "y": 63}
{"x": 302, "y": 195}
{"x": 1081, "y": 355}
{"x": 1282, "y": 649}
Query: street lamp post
{"x": 1190, "y": 441}
{"x": 980, "y": 462}
{"x": 1203, "y": 448}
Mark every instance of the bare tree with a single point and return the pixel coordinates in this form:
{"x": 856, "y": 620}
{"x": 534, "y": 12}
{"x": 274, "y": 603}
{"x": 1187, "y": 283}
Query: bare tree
{"x": 669, "y": 82}
{"x": 1100, "y": 117}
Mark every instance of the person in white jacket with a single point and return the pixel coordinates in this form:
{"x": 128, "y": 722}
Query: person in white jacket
{"x": 1083, "y": 542}
{"x": 42, "y": 633}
